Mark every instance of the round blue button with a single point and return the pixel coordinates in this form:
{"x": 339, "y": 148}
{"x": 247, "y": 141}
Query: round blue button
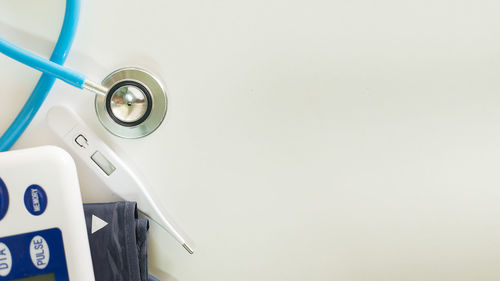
{"x": 4, "y": 199}
{"x": 35, "y": 200}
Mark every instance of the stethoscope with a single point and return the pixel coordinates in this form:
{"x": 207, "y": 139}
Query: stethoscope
{"x": 130, "y": 102}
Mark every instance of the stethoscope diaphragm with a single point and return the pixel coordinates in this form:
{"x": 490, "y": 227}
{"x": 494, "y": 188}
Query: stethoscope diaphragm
{"x": 135, "y": 105}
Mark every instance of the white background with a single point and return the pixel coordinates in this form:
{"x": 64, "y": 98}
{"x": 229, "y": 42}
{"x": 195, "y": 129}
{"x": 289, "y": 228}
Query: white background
{"x": 305, "y": 140}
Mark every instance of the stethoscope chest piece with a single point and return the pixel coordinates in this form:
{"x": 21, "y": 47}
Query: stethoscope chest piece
{"x": 135, "y": 104}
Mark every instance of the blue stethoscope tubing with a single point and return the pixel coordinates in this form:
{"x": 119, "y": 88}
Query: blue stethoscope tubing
{"x": 51, "y": 70}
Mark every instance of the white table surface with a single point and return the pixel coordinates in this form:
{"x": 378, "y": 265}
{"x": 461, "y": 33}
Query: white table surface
{"x": 305, "y": 140}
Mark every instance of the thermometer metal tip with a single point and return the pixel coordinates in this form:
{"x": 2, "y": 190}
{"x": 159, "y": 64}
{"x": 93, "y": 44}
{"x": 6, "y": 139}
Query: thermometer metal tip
{"x": 167, "y": 226}
{"x": 188, "y": 248}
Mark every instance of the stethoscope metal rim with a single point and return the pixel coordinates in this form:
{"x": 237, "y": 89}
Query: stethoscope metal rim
{"x": 157, "y": 94}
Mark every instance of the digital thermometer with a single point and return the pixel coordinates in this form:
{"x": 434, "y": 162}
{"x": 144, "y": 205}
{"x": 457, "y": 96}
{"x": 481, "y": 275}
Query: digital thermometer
{"x": 43, "y": 236}
{"x": 106, "y": 165}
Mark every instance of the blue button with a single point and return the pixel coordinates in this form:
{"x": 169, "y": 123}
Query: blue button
{"x": 39, "y": 252}
{"x": 5, "y": 260}
{"x": 35, "y": 200}
{"x": 4, "y": 199}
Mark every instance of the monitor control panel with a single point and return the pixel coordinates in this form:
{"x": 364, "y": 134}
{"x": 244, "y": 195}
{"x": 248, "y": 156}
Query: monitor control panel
{"x": 43, "y": 235}
{"x": 33, "y": 256}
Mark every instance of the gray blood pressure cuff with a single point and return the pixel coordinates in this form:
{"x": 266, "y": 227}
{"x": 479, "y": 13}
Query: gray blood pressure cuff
{"x": 118, "y": 241}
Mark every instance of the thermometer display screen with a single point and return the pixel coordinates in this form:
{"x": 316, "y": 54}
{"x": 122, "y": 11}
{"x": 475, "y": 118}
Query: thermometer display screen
{"x": 44, "y": 277}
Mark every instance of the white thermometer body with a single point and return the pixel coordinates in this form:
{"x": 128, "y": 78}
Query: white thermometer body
{"x": 106, "y": 164}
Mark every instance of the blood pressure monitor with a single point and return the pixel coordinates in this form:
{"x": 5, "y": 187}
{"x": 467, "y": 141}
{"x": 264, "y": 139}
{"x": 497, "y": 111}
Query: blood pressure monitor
{"x": 43, "y": 236}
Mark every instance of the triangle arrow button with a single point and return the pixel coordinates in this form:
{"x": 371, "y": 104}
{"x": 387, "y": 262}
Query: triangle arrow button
{"x": 97, "y": 224}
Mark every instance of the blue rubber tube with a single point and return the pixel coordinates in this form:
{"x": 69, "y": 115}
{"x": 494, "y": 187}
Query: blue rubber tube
{"x": 42, "y": 88}
{"x": 44, "y": 65}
